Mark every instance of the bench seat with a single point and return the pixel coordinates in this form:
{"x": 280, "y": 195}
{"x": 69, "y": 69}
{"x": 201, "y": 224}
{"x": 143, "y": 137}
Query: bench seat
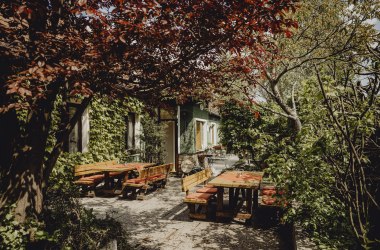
{"x": 271, "y": 196}
{"x": 198, "y": 198}
{"x": 136, "y": 181}
{"x": 114, "y": 174}
{"x": 155, "y": 176}
{"x": 90, "y": 179}
{"x": 210, "y": 190}
{"x": 198, "y": 201}
{"x": 269, "y": 192}
{"x": 88, "y": 176}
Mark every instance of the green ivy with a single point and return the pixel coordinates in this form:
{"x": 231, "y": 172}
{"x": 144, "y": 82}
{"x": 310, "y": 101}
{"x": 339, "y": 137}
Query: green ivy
{"x": 70, "y": 225}
{"x": 153, "y": 138}
{"x": 16, "y": 235}
{"x": 107, "y": 132}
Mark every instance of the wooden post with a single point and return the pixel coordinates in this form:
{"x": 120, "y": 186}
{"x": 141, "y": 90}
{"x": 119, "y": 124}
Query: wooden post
{"x": 249, "y": 201}
{"x": 255, "y": 199}
{"x": 220, "y": 193}
{"x": 236, "y": 197}
{"x": 231, "y": 193}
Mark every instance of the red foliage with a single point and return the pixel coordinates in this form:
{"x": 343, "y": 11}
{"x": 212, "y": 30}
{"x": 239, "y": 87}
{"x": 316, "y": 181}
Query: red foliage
{"x": 146, "y": 49}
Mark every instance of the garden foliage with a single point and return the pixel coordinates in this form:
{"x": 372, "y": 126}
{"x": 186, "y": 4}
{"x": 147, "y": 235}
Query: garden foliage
{"x": 65, "y": 223}
{"x": 309, "y": 166}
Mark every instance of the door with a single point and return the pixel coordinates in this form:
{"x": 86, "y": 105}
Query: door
{"x": 199, "y": 135}
{"x": 169, "y": 142}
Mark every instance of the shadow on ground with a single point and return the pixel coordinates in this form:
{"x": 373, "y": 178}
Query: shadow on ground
{"x": 161, "y": 221}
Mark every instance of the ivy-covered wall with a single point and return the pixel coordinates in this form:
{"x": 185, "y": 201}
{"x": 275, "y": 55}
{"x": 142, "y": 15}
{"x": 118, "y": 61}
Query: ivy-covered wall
{"x": 107, "y": 133}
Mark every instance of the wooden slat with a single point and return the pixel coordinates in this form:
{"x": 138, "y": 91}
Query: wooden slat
{"x": 91, "y": 168}
{"x": 192, "y": 180}
{"x": 188, "y": 185}
{"x": 162, "y": 169}
{"x": 135, "y": 185}
{"x": 244, "y": 216}
{"x": 146, "y": 173}
{"x": 84, "y": 182}
{"x": 205, "y": 172}
{"x": 197, "y": 216}
{"x": 196, "y": 201}
{"x": 224, "y": 181}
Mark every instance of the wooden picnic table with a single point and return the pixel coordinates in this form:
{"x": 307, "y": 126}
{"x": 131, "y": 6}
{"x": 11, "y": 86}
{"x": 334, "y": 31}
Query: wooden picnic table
{"x": 246, "y": 183}
{"x": 122, "y": 168}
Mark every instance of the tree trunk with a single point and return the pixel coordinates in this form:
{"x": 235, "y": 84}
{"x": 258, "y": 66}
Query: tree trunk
{"x": 9, "y": 131}
{"x": 23, "y": 175}
{"x": 296, "y": 123}
{"x": 23, "y": 188}
{"x": 293, "y": 117}
{"x": 22, "y": 183}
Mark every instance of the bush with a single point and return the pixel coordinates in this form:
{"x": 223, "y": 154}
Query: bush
{"x": 74, "y": 227}
{"x": 70, "y": 225}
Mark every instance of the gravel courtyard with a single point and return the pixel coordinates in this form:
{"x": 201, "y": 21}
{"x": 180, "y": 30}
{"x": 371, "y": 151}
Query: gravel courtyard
{"x": 160, "y": 221}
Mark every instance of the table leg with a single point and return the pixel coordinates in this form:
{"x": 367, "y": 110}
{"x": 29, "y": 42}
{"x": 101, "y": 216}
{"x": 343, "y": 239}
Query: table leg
{"x": 243, "y": 194}
{"x": 106, "y": 180}
{"x": 249, "y": 201}
{"x": 119, "y": 181}
{"x": 255, "y": 199}
{"x": 219, "y": 201}
{"x": 236, "y": 197}
{"x": 231, "y": 194}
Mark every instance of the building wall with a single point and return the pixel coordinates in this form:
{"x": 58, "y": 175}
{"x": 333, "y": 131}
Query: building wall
{"x": 189, "y": 114}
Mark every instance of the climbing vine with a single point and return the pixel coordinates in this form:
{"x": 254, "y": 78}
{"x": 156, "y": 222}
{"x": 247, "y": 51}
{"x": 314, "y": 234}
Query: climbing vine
{"x": 107, "y": 132}
{"x": 107, "y": 141}
{"x": 153, "y": 139}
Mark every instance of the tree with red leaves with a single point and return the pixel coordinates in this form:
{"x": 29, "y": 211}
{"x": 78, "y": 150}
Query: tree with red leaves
{"x": 145, "y": 49}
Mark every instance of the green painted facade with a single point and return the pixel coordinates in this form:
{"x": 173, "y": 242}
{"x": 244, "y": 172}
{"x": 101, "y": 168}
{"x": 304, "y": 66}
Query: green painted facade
{"x": 189, "y": 113}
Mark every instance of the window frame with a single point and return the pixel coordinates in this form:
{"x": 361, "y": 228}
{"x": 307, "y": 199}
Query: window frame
{"x": 203, "y": 134}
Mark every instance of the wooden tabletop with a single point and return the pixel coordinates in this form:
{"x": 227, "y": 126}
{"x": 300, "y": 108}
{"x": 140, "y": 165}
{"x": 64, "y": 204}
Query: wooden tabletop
{"x": 238, "y": 179}
{"x": 125, "y": 167}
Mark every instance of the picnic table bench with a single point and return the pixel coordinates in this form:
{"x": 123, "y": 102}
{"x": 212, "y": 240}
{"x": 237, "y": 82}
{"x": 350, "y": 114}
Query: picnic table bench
{"x": 242, "y": 188}
{"x": 90, "y": 175}
{"x": 272, "y": 196}
{"x": 201, "y": 197}
{"x": 155, "y": 177}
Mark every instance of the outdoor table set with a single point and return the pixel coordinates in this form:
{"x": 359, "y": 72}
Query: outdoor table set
{"x": 111, "y": 171}
{"x": 243, "y": 189}
{"x": 119, "y": 171}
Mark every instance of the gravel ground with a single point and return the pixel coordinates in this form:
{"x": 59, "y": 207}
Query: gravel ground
{"x": 160, "y": 221}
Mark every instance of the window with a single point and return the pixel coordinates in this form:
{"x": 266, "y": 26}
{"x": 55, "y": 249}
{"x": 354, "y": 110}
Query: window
{"x": 130, "y": 123}
{"x": 79, "y": 136}
{"x": 212, "y": 134}
{"x": 200, "y": 135}
{"x": 133, "y": 131}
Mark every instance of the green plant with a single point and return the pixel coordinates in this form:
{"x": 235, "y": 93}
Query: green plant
{"x": 68, "y": 223}
{"x": 295, "y": 164}
{"x": 13, "y": 235}
{"x": 16, "y": 235}
{"x": 74, "y": 227}
{"x": 153, "y": 137}
{"x": 249, "y": 135}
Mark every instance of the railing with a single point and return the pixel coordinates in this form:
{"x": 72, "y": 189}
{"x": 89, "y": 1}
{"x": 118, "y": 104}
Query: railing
{"x": 133, "y": 158}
